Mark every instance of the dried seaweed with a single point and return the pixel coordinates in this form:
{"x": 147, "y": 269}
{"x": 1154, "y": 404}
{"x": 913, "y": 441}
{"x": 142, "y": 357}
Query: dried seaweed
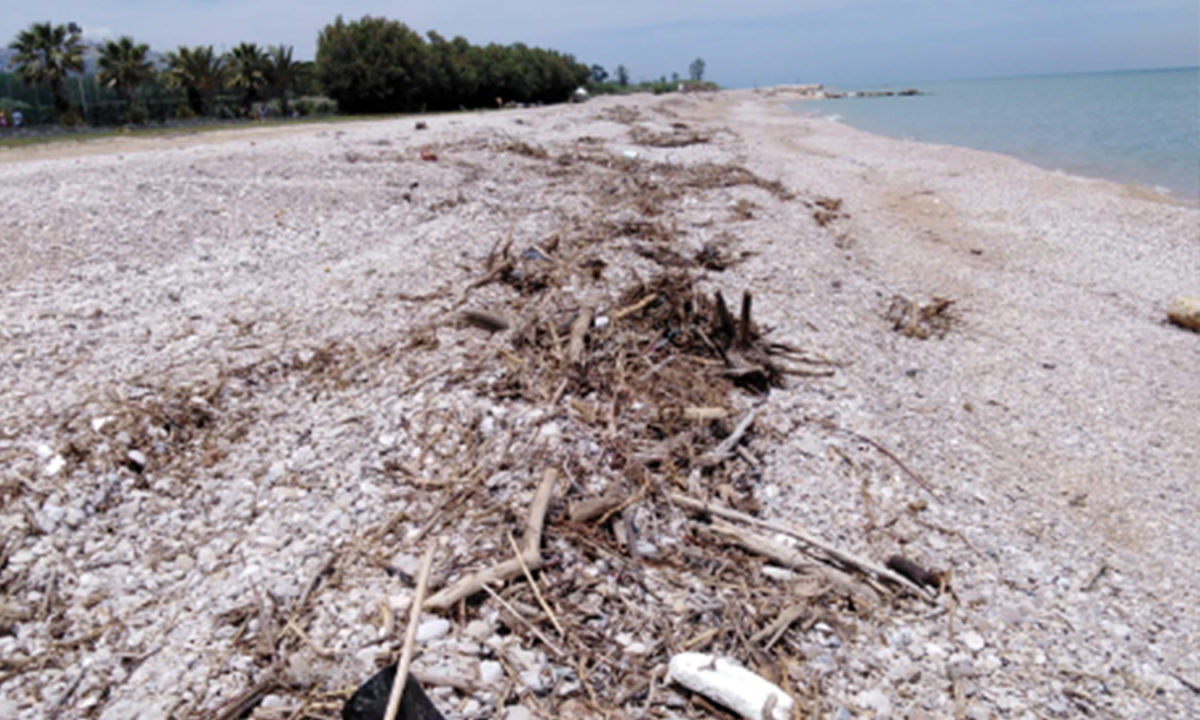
{"x": 921, "y": 320}
{"x": 679, "y": 136}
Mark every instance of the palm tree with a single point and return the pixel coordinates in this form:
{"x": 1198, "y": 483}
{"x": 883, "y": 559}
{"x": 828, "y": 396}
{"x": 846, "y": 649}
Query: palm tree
{"x": 123, "y": 65}
{"x": 46, "y": 53}
{"x": 247, "y": 72}
{"x": 199, "y": 73}
{"x": 282, "y": 73}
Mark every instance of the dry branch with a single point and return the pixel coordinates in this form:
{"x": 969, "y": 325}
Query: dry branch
{"x": 579, "y": 330}
{"x": 584, "y": 510}
{"x": 726, "y": 447}
{"x": 841, "y": 556}
{"x": 490, "y": 321}
{"x": 789, "y": 615}
{"x": 531, "y": 553}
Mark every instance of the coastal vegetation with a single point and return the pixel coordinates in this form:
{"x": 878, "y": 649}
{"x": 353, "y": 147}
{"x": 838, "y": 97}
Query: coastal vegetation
{"x": 379, "y": 65}
{"x": 601, "y": 83}
{"x": 369, "y": 65}
{"x": 46, "y": 54}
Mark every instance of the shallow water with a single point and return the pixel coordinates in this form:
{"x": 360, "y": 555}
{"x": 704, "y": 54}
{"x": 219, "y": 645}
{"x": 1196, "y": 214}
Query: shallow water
{"x": 1140, "y": 126}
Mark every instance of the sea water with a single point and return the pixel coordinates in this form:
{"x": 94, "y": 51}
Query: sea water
{"x": 1140, "y": 127}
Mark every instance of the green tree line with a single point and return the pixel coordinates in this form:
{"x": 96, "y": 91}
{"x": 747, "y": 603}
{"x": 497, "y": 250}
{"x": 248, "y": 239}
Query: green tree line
{"x": 370, "y": 65}
{"x": 379, "y": 65}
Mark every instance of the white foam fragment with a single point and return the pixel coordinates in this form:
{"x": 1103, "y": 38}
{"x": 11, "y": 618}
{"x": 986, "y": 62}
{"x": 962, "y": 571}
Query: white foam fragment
{"x": 728, "y": 683}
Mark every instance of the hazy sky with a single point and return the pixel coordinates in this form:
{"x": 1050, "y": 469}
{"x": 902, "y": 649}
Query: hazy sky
{"x": 744, "y": 42}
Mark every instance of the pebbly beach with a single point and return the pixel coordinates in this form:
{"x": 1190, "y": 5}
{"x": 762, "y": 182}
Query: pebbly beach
{"x": 249, "y": 376}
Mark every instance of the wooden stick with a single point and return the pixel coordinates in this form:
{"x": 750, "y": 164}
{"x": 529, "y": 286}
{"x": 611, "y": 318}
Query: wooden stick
{"x": 579, "y": 330}
{"x": 243, "y": 703}
{"x": 634, "y": 308}
{"x": 796, "y": 560}
{"x": 743, "y": 339}
{"x": 515, "y": 613}
{"x": 458, "y": 682}
{"x": 789, "y": 615}
{"x": 410, "y": 637}
{"x": 531, "y": 554}
{"x": 704, "y": 414}
{"x": 490, "y": 321}
{"x": 724, "y": 320}
{"x": 841, "y": 556}
{"x": 915, "y": 477}
{"x": 726, "y": 447}
{"x": 537, "y": 593}
{"x": 584, "y": 510}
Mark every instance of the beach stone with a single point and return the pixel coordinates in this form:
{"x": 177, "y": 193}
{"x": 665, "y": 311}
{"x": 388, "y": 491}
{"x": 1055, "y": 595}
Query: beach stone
{"x": 875, "y": 700}
{"x": 973, "y": 641}
{"x": 517, "y": 712}
{"x": 1185, "y": 312}
{"x": 533, "y": 680}
{"x": 960, "y": 668}
{"x": 55, "y": 466}
{"x": 431, "y": 630}
{"x": 905, "y": 671}
{"x": 490, "y": 672}
{"x": 477, "y": 630}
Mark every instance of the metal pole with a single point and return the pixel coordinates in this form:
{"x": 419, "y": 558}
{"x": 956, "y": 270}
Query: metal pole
{"x": 82, "y": 98}
{"x": 75, "y": 29}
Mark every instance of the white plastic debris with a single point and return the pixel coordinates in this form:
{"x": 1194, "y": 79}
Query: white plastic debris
{"x": 728, "y": 683}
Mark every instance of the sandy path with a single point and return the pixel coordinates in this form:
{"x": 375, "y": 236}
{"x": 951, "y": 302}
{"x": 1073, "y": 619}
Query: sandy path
{"x": 1056, "y": 421}
{"x": 116, "y": 145}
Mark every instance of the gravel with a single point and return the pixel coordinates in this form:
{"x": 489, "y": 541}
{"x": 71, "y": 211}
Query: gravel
{"x": 219, "y": 374}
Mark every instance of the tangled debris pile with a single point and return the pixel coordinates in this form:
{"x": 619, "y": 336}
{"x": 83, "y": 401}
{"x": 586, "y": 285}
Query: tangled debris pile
{"x": 642, "y": 529}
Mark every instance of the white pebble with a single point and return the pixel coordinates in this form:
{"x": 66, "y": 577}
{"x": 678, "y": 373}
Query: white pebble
{"x": 974, "y": 641}
{"x": 876, "y": 701}
{"x": 517, "y": 712}
{"x": 432, "y": 630}
{"x": 55, "y": 466}
{"x": 490, "y": 672}
{"x": 533, "y": 681}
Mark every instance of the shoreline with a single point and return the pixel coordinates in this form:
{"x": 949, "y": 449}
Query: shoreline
{"x": 1056, "y": 122}
{"x": 114, "y": 143}
{"x": 1133, "y": 189}
{"x": 290, "y": 303}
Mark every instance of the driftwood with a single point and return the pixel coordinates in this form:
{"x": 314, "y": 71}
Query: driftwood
{"x": 579, "y": 330}
{"x": 531, "y": 553}
{"x": 916, "y": 573}
{"x": 248, "y": 700}
{"x": 841, "y": 556}
{"x": 796, "y": 560}
{"x": 790, "y": 614}
{"x": 490, "y": 321}
{"x": 724, "y": 450}
{"x": 582, "y": 511}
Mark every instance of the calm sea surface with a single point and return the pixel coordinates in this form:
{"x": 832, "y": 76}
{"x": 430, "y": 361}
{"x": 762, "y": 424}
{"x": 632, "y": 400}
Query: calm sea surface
{"x": 1140, "y": 126}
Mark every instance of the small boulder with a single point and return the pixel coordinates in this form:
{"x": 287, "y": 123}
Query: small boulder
{"x": 1185, "y": 312}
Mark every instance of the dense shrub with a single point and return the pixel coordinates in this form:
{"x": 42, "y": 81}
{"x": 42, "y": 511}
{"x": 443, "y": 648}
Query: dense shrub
{"x": 378, "y": 65}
